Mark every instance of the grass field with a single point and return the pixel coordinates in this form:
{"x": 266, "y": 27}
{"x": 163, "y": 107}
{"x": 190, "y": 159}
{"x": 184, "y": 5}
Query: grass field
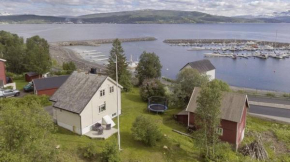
{"x": 180, "y": 148}
{"x": 20, "y": 84}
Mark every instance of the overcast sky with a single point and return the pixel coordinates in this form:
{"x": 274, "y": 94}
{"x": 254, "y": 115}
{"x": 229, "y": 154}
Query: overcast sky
{"x": 82, "y": 7}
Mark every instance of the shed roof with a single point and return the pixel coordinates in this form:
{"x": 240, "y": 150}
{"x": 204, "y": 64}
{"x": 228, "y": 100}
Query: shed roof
{"x": 49, "y": 83}
{"x": 232, "y": 105}
{"x": 201, "y": 65}
{"x": 32, "y": 74}
{"x": 77, "y": 91}
{"x": 2, "y": 60}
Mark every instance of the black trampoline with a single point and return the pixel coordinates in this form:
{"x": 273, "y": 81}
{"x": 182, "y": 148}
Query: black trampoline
{"x": 157, "y": 104}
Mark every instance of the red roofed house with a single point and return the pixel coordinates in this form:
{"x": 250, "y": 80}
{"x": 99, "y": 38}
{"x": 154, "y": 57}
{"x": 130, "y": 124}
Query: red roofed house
{"x": 233, "y": 115}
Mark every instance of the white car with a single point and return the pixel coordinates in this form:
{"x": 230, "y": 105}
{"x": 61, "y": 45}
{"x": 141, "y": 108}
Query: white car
{"x": 9, "y": 93}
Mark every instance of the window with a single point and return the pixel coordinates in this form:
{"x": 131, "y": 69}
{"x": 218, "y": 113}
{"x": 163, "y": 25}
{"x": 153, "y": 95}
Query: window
{"x": 102, "y": 93}
{"x": 112, "y": 89}
{"x": 102, "y": 108}
{"x": 220, "y": 131}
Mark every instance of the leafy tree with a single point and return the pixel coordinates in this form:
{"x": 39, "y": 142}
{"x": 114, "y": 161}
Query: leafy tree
{"x": 69, "y": 67}
{"x": 12, "y": 48}
{"x": 110, "y": 152}
{"x": 145, "y": 129}
{"x": 207, "y": 118}
{"x": 26, "y": 131}
{"x": 124, "y": 75}
{"x": 37, "y": 57}
{"x": 151, "y": 87}
{"x": 149, "y": 67}
{"x": 186, "y": 80}
{"x": 223, "y": 86}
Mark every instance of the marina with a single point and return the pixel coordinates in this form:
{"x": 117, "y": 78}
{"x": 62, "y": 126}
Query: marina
{"x": 236, "y": 48}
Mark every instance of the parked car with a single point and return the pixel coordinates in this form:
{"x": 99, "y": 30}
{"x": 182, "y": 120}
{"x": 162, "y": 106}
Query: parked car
{"x": 9, "y": 93}
{"x": 29, "y": 87}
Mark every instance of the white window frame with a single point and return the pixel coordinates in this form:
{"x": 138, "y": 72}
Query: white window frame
{"x": 111, "y": 89}
{"x": 220, "y": 131}
{"x": 102, "y": 93}
{"x": 101, "y": 111}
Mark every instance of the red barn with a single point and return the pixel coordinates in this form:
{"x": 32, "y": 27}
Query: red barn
{"x": 31, "y": 75}
{"x": 2, "y": 71}
{"x": 47, "y": 86}
{"x": 233, "y": 115}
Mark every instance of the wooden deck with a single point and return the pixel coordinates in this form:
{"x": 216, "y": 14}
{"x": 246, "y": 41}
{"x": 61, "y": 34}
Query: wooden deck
{"x": 106, "y": 134}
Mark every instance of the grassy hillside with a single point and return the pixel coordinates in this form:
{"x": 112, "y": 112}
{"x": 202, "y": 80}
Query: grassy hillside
{"x": 180, "y": 148}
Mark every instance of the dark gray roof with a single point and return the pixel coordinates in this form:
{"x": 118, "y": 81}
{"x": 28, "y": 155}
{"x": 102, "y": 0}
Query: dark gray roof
{"x": 32, "y": 74}
{"x": 201, "y": 65}
{"x": 232, "y": 105}
{"x": 49, "y": 83}
{"x": 77, "y": 91}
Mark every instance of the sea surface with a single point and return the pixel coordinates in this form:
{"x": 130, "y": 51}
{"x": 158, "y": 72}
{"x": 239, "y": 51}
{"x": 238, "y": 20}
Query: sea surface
{"x": 270, "y": 74}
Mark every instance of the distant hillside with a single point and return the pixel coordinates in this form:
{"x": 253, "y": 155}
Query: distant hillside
{"x": 136, "y": 17}
{"x": 160, "y": 16}
{"x": 31, "y": 19}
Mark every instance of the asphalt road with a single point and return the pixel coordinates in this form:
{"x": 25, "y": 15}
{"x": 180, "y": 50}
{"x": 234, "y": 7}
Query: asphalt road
{"x": 269, "y": 100}
{"x": 271, "y": 111}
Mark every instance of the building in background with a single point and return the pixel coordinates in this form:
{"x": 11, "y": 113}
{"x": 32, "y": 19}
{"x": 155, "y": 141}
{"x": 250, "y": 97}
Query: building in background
{"x": 48, "y": 86}
{"x": 203, "y": 67}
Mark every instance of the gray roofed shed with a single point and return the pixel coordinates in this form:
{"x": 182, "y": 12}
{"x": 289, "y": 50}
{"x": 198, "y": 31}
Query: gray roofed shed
{"x": 77, "y": 91}
{"x": 201, "y": 66}
{"x": 49, "y": 83}
{"x": 232, "y": 105}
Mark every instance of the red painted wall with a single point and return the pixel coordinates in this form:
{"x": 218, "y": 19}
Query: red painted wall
{"x": 242, "y": 125}
{"x": 2, "y": 72}
{"x": 229, "y": 129}
{"x": 183, "y": 119}
{"x": 29, "y": 79}
{"x": 48, "y": 92}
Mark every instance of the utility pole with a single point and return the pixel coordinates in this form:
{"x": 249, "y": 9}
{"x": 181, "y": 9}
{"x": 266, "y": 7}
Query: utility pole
{"x": 119, "y": 137}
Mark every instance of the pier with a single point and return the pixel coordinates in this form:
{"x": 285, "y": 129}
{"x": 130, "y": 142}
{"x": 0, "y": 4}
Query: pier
{"x": 98, "y": 42}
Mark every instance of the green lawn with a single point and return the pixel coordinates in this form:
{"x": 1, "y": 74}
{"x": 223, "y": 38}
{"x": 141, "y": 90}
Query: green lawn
{"x": 20, "y": 84}
{"x": 181, "y": 148}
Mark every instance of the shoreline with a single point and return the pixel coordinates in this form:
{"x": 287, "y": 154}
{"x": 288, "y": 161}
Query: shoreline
{"x": 260, "y": 92}
{"x": 98, "y": 42}
{"x": 62, "y": 54}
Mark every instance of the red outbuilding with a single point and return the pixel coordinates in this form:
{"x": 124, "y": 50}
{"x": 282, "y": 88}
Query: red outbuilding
{"x": 2, "y": 72}
{"x": 233, "y": 115}
{"x": 48, "y": 86}
{"x": 32, "y": 75}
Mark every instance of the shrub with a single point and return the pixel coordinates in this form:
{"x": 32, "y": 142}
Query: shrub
{"x": 110, "y": 152}
{"x": 286, "y": 95}
{"x": 270, "y": 95}
{"x": 145, "y": 129}
{"x": 90, "y": 151}
{"x": 151, "y": 87}
{"x": 69, "y": 67}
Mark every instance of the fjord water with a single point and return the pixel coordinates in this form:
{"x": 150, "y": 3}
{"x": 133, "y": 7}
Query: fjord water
{"x": 270, "y": 74}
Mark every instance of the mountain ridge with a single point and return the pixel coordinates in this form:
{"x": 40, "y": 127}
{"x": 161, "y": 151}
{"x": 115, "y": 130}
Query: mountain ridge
{"x": 137, "y": 17}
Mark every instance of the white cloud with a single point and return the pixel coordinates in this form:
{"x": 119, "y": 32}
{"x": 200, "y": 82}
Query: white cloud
{"x": 81, "y": 7}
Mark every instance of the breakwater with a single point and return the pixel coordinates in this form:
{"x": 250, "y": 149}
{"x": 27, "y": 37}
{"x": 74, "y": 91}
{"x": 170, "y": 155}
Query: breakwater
{"x": 223, "y": 41}
{"x": 98, "y": 42}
